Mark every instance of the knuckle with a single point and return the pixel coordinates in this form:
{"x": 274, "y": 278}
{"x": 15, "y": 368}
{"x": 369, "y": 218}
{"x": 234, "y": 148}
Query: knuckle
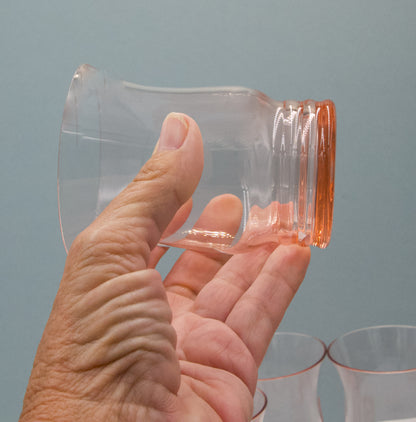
{"x": 154, "y": 169}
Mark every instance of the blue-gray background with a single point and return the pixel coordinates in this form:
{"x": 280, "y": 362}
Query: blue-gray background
{"x": 361, "y": 54}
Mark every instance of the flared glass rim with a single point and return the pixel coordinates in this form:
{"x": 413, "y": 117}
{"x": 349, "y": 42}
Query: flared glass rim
{"x": 367, "y": 371}
{"x": 310, "y": 367}
{"x": 60, "y": 143}
{"x": 263, "y": 407}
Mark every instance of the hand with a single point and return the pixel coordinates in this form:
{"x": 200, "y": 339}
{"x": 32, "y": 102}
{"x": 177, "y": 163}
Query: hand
{"x": 121, "y": 345}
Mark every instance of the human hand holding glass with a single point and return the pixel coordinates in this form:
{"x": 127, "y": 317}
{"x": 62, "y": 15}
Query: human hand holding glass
{"x": 122, "y": 345}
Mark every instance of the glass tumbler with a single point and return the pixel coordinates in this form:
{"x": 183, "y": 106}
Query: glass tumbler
{"x": 259, "y": 406}
{"x": 377, "y": 367}
{"x": 275, "y": 158}
{"x": 289, "y": 376}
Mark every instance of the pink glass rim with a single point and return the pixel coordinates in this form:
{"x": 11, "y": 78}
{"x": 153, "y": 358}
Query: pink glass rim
{"x": 366, "y": 371}
{"x": 263, "y": 407}
{"x": 316, "y": 363}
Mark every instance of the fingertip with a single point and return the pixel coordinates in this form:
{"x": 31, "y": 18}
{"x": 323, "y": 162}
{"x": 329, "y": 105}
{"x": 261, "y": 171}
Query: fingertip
{"x": 190, "y": 158}
{"x": 296, "y": 258}
{"x": 174, "y": 132}
{"x": 194, "y": 133}
{"x": 178, "y": 130}
{"x": 295, "y": 252}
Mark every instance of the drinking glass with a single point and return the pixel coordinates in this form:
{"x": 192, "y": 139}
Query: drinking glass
{"x": 259, "y": 406}
{"x": 274, "y": 159}
{"x": 289, "y": 376}
{"x": 377, "y": 367}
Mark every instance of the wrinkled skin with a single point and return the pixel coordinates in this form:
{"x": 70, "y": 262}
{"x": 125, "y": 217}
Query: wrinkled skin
{"x": 121, "y": 345}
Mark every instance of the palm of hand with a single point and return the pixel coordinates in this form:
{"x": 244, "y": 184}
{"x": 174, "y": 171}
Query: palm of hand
{"x": 218, "y": 369}
{"x": 224, "y": 326}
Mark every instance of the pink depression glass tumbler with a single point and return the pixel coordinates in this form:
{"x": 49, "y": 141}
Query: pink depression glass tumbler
{"x": 259, "y": 406}
{"x": 377, "y": 367}
{"x": 289, "y": 376}
{"x": 272, "y": 161}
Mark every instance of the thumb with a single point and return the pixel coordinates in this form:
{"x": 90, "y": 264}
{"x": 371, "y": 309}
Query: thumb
{"x": 121, "y": 238}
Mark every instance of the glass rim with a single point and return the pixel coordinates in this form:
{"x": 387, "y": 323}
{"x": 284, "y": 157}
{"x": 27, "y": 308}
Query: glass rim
{"x": 367, "y": 371}
{"x": 264, "y": 405}
{"x": 316, "y": 363}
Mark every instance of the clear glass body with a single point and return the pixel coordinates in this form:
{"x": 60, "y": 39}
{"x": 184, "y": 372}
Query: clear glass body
{"x": 276, "y": 158}
{"x": 289, "y": 376}
{"x": 259, "y": 406}
{"x": 377, "y": 366}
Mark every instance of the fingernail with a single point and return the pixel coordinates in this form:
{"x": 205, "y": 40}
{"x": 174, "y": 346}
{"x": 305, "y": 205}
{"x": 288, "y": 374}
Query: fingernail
{"x": 173, "y": 133}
